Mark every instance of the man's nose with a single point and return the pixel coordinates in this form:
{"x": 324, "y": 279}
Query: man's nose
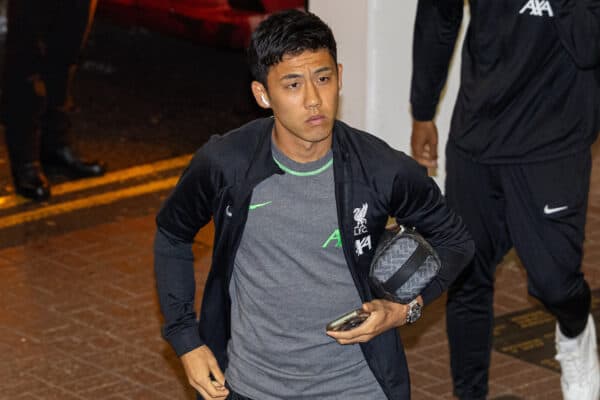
{"x": 313, "y": 98}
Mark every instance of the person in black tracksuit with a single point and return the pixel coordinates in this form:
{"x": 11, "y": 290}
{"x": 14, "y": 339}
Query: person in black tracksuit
{"x": 42, "y": 48}
{"x": 518, "y": 164}
{"x": 263, "y": 247}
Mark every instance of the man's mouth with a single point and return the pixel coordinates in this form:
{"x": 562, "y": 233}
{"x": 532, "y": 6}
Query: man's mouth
{"x": 316, "y": 120}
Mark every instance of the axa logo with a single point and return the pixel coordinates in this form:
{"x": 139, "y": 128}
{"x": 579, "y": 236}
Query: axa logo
{"x": 537, "y": 8}
{"x": 335, "y": 240}
{"x": 361, "y": 244}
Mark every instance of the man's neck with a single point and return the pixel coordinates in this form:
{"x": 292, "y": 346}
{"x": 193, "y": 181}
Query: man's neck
{"x": 302, "y": 151}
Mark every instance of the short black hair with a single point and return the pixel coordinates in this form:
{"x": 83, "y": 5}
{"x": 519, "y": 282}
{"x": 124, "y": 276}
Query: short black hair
{"x": 288, "y": 32}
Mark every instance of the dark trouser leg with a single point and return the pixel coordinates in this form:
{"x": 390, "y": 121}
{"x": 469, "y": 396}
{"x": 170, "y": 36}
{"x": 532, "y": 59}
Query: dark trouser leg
{"x": 547, "y": 213}
{"x": 21, "y": 120}
{"x": 63, "y": 49}
{"x": 23, "y": 94}
{"x": 474, "y": 192}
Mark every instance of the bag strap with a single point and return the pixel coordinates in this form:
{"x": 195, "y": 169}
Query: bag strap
{"x": 416, "y": 259}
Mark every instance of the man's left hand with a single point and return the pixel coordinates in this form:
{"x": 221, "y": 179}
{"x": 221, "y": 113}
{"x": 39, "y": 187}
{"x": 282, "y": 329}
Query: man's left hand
{"x": 384, "y": 315}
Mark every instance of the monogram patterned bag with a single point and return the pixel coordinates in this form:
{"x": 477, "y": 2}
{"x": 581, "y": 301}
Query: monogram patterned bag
{"x": 404, "y": 263}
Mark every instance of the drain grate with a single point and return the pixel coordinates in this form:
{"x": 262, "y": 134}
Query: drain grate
{"x": 529, "y": 334}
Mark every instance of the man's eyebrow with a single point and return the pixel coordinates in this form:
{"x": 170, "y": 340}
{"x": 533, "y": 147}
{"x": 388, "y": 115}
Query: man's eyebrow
{"x": 296, "y": 76}
{"x": 323, "y": 69}
{"x": 291, "y": 76}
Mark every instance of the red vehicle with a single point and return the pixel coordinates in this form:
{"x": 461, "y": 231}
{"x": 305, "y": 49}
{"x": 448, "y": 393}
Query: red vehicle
{"x": 218, "y": 22}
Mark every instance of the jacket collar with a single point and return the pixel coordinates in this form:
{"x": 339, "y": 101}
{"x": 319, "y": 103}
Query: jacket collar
{"x": 340, "y": 152}
{"x": 262, "y": 165}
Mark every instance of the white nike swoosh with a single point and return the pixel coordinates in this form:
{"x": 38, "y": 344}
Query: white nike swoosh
{"x": 548, "y": 210}
{"x": 228, "y": 211}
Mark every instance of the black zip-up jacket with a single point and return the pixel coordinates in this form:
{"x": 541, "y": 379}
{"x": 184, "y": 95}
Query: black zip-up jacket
{"x": 530, "y": 79}
{"x": 219, "y": 183}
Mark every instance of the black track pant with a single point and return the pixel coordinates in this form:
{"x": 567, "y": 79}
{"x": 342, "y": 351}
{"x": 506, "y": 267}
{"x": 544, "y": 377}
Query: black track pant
{"x": 540, "y": 209}
{"x": 42, "y": 46}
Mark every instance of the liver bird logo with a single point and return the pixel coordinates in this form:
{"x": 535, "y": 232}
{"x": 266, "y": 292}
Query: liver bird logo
{"x": 360, "y": 216}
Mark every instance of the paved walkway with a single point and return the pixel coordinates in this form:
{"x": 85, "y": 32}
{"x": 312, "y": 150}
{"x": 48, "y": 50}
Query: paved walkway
{"x": 79, "y": 320}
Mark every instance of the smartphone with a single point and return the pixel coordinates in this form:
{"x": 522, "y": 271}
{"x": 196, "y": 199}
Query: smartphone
{"x": 348, "y": 321}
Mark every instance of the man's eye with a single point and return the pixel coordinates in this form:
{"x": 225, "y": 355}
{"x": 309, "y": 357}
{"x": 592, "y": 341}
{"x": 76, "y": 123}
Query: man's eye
{"x": 324, "y": 79}
{"x": 293, "y": 85}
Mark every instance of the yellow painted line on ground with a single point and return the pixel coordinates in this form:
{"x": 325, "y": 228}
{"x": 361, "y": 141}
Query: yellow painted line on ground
{"x": 88, "y": 202}
{"x": 111, "y": 177}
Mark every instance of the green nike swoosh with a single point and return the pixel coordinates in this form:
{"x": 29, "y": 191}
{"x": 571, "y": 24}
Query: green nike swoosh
{"x": 255, "y": 206}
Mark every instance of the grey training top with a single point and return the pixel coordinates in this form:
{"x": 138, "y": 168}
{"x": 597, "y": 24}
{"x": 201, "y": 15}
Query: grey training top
{"x": 290, "y": 279}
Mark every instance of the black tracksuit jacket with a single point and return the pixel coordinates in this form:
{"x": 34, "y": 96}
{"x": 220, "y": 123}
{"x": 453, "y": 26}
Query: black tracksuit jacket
{"x": 530, "y": 79}
{"x": 218, "y": 184}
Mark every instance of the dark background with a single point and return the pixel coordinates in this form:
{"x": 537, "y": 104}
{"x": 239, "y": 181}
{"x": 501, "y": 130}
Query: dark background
{"x": 142, "y": 96}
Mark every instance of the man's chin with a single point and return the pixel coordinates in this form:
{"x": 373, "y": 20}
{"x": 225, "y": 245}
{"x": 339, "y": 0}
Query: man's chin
{"x": 316, "y": 136}
{"x": 320, "y": 132}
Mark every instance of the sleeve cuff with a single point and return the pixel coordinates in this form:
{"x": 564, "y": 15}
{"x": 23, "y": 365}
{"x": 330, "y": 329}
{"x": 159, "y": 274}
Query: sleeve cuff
{"x": 431, "y": 292}
{"x": 185, "y": 341}
{"x": 423, "y": 113}
{"x": 453, "y": 262}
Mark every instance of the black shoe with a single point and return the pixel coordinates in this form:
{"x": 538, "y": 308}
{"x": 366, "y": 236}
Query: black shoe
{"x": 30, "y": 182}
{"x": 65, "y": 160}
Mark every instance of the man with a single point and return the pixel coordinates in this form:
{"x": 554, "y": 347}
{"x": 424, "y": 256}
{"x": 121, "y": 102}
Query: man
{"x": 289, "y": 253}
{"x": 518, "y": 165}
{"x": 42, "y": 49}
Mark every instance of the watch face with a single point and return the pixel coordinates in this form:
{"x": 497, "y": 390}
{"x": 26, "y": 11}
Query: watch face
{"x": 414, "y": 312}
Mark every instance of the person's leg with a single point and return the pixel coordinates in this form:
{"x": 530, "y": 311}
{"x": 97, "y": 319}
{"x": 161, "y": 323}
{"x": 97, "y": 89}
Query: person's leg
{"x": 24, "y": 94}
{"x": 547, "y": 204}
{"x": 64, "y": 40}
{"x": 474, "y": 192}
{"x": 63, "y": 45}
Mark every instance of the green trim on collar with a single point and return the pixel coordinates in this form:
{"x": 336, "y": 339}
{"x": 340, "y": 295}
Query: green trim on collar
{"x": 307, "y": 173}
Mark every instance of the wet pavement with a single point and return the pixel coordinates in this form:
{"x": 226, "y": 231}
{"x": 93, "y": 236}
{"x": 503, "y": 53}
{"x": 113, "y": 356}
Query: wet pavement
{"x": 79, "y": 317}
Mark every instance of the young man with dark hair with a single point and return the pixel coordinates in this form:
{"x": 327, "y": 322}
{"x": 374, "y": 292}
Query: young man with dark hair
{"x": 518, "y": 165}
{"x": 299, "y": 202}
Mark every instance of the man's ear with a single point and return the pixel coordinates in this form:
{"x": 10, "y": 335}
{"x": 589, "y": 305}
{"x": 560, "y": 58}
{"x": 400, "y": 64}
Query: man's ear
{"x": 260, "y": 94}
{"x": 340, "y": 69}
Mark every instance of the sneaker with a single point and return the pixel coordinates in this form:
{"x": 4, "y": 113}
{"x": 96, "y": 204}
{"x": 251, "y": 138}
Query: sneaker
{"x": 578, "y": 358}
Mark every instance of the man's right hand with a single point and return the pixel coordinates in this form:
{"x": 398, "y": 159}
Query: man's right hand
{"x": 424, "y": 143}
{"x": 199, "y": 365}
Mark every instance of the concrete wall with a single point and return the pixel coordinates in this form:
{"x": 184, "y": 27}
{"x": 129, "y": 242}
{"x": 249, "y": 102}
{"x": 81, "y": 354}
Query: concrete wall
{"x": 375, "y": 45}
{"x": 349, "y": 21}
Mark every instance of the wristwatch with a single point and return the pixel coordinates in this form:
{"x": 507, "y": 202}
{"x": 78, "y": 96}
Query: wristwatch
{"x": 414, "y": 312}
